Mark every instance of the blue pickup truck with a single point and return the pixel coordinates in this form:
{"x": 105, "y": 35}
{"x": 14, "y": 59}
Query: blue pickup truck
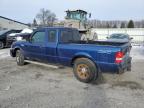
{"x": 60, "y": 45}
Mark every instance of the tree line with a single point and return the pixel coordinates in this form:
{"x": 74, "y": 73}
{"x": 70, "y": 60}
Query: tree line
{"x": 116, "y": 24}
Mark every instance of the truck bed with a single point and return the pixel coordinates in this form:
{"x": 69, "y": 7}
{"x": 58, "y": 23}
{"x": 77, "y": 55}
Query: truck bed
{"x": 110, "y": 43}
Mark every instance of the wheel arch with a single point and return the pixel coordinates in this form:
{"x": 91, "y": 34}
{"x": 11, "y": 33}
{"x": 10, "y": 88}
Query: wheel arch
{"x": 82, "y": 55}
{"x": 14, "y": 52}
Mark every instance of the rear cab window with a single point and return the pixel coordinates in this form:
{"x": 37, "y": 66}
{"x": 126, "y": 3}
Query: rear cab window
{"x": 66, "y": 36}
{"x": 69, "y": 36}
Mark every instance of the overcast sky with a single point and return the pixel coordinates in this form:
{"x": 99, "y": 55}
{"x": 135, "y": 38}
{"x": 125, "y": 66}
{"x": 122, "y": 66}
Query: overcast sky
{"x": 26, "y": 10}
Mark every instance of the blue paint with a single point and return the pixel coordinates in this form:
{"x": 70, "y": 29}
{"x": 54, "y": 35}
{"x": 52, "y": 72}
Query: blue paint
{"x": 64, "y": 53}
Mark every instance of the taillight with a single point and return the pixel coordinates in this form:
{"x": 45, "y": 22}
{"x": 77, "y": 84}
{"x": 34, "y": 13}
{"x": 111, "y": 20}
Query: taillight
{"x": 119, "y": 57}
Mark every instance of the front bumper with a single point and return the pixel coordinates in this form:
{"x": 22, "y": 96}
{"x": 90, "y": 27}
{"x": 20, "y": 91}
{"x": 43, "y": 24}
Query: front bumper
{"x": 12, "y": 53}
{"x": 125, "y": 65}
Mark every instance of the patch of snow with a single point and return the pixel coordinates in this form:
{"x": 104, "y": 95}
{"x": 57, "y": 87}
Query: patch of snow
{"x": 19, "y": 38}
{"x": 137, "y": 52}
{"x": 4, "y": 53}
{"x": 13, "y": 34}
{"x": 26, "y": 30}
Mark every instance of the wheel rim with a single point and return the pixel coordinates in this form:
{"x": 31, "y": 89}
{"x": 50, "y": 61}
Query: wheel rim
{"x": 18, "y": 58}
{"x": 83, "y": 71}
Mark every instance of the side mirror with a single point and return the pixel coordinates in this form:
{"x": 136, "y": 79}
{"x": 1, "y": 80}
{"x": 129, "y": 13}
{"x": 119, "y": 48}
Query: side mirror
{"x": 28, "y": 39}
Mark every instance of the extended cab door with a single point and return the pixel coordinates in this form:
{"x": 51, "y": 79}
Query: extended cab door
{"x": 35, "y": 49}
{"x": 51, "y": 45}
{"x": 65, "y": 47}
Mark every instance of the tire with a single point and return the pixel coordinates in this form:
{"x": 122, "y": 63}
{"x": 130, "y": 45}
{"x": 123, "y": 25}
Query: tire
{"x": 1, "y": 45}
{"x": 120, "y": 71}
{"x": 19, "y": 58}
{"x": 129, "y": 66}
{"x": 85, "y": 70}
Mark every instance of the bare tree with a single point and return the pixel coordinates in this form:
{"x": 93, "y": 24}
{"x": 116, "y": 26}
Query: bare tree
{"x": 123, "y": 25}
{"x": 142, "y": 23}
{"x": 46, "y": 17}
{"x": 115, "y": 23}
{"x": 107, "y": 25}
{"x": 115, "y": 26}
{"x": 34, "y": 23}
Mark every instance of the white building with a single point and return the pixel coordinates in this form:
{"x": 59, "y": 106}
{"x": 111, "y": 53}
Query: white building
{"x": 6, "y": 23}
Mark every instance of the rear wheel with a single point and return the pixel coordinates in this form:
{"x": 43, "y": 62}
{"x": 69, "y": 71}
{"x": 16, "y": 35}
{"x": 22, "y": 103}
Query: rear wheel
{"x": 19, "y": 58}
{"x": 85, "y": 70}
{"x": 1, "y": 45}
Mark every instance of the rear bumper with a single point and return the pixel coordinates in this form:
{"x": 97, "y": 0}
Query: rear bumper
{"x": 126, "y": 64}
{"x": 113, "y": 67}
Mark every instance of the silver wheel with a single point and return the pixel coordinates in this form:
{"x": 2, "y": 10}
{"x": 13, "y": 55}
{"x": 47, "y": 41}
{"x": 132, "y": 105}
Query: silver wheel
{"x": 19, "y": 58}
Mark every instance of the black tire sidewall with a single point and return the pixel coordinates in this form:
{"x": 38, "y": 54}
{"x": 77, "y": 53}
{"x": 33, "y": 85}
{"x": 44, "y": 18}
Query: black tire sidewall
{"x": 19, "y": 56}
{"x": 92, "y": 69}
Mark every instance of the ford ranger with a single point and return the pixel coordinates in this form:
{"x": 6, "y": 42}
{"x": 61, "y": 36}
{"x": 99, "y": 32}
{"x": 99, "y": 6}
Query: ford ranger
{"x": 60, "y": 45}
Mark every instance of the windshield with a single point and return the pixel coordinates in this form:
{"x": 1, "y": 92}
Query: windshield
{"x": 119, "y": 36}
{"x": 3, "y": 32}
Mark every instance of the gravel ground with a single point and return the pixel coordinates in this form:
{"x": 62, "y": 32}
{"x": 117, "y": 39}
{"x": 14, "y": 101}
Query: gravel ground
{"x": 34, "y": 86}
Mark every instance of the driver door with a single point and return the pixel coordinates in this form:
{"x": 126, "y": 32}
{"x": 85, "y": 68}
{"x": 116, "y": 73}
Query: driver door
{"x": 35, "y": 49}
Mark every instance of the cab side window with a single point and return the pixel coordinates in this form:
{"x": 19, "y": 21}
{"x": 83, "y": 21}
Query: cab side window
{"x": 38, "y": 37}
{"x": 66, "y": 36}
{"x": 52, "y": 35}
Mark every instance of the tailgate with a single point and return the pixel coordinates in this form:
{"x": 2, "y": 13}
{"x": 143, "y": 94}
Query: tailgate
{"x": 126, "y": 50}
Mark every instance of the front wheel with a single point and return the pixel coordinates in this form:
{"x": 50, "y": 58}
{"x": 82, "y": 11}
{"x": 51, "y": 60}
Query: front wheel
{"x": 85, "y": 70}
{"x": 19, "y": 58}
